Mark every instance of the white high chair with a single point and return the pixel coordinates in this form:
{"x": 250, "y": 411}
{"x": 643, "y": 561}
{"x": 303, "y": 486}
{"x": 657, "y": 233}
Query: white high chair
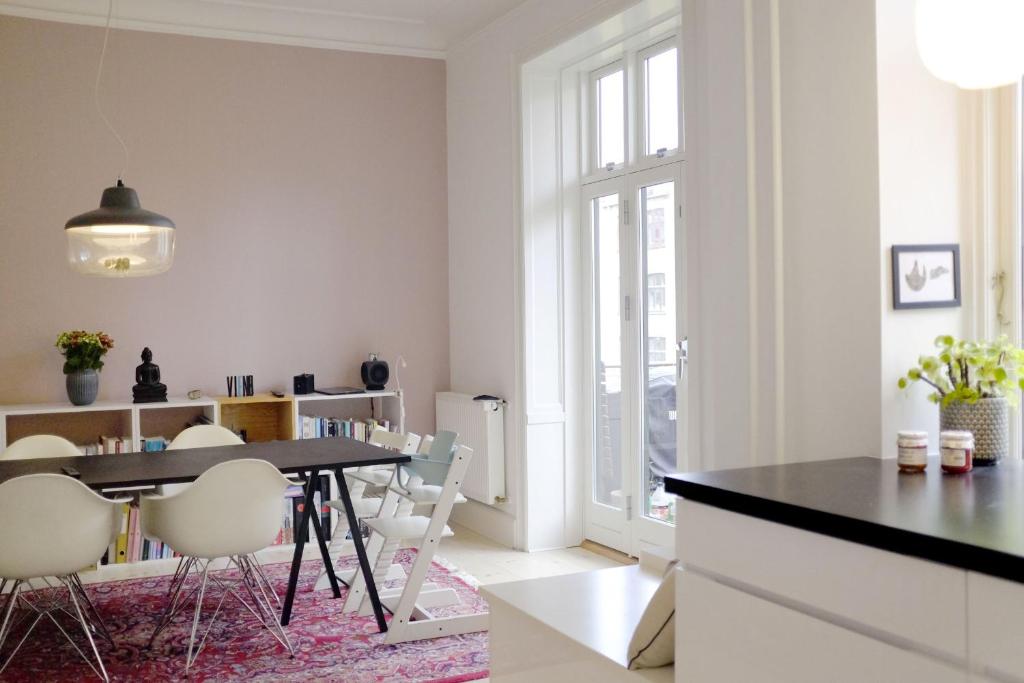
{"x": 365, "y": 508}
{"x": 410, "y": 604}
{"x": 51, "y": 526}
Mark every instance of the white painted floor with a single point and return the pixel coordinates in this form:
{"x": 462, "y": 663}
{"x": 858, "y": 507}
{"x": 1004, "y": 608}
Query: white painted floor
{"x": 489, "y": 562}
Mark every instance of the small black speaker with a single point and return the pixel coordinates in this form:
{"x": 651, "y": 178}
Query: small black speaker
{"x": 303, "y": 384}
{"x": 375, "y": 373}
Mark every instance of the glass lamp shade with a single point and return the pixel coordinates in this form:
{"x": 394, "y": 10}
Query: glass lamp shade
{"x": 972, "y": 43}
{"x": 120, "y": 239}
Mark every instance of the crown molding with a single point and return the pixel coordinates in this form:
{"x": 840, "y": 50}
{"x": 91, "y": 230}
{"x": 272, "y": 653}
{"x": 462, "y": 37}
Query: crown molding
{"x": 264, "y": 22}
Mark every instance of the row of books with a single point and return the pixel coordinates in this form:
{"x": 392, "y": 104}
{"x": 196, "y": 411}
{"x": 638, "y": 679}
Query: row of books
{"x": 107, "y": 445}
{"x": 315, "y": 427}
{"x": 293, "y": 507}
{"x": 130, "y": 545}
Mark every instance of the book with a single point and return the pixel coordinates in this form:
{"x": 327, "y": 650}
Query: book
{"x": 122, "y": 536}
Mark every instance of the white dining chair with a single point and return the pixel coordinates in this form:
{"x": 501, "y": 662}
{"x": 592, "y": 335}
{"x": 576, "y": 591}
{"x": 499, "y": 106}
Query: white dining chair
{"x": 196, "y": 436}
{"x": 40, "y": 446}
{"x": 50, "y": 526}
{"x": 233, "y": 510}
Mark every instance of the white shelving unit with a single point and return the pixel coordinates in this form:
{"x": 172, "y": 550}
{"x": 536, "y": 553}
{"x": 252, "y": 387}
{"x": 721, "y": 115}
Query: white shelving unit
{"x": 387, "y": 404}
{"x": 85, "y": 424}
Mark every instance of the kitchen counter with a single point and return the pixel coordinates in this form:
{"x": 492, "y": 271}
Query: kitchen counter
{"x": 973, "y": 521}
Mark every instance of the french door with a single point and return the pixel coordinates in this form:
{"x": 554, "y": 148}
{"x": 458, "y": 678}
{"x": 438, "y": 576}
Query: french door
{"x": 632, "y": 232}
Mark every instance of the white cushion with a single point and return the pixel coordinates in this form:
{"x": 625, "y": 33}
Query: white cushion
{"x": 653, "y": 641}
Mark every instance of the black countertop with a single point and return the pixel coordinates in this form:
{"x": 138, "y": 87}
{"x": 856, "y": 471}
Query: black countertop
{"x": 974, "y": 521}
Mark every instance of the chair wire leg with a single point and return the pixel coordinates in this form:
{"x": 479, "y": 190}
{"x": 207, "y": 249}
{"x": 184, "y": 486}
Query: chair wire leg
{"x": 5, "y": 625}
{"x": 263, "y": 602}
{"x": 95, "y": 618}
{"x": 189, "y": 655}
{"x": 176, "y": 599}
{"x": 266, "y": 581}
{"x": 88, "y": 632}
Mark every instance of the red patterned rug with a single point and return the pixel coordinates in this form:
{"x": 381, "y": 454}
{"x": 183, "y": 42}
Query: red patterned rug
{"x": 329, "y": 645}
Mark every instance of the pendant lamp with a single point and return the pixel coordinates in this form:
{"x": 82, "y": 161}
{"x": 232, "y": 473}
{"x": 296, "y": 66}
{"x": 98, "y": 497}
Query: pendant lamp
{"x": 972, "y": 43}
{"x": 119, "y": 239}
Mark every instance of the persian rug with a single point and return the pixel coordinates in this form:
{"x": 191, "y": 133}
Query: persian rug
{"x": 329, "y": 645}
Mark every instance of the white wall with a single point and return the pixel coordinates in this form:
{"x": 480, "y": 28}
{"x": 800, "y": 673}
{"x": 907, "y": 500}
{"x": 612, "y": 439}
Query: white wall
{"x": 922, "y": 200}
{"x": 783, "y": 226}
{"x": 483, "y": 217}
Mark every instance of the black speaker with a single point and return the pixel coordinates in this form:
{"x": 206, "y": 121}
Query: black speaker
{"x": 303, "y": 384}
{"x": 375, "y": 373}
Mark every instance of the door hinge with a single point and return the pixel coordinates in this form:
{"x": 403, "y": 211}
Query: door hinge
{"x": 625, "y": 212}
{"x": 626, "y": 308}
{"x": 680, "y": 207}
{"x": 629, "y": 508}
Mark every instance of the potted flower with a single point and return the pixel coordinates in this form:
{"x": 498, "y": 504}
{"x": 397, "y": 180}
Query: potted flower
{"x": 974, "y": 383}
{"x": 83, "y": 359}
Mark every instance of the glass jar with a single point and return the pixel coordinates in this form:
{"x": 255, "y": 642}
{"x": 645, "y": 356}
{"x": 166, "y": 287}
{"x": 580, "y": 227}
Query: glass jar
{"x": 912, "y": 451}
{"x": 957, "y": 449}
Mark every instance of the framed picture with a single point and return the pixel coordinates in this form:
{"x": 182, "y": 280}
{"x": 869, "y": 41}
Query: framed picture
{"x": 925, "y": 275}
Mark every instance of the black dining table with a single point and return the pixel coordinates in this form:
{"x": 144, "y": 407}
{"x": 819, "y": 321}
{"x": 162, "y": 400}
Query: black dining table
{"x": 306, "y": 457}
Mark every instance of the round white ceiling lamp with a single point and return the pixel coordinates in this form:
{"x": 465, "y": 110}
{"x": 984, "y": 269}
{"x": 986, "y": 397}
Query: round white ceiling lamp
{"x": 972, "y": 43}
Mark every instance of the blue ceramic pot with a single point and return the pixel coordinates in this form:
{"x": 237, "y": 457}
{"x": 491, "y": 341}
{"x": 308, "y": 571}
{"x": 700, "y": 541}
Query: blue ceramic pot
{"x": 82, "y": 386}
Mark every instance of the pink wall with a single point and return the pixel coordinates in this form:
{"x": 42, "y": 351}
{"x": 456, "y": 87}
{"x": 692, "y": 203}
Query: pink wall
{"x": 309, "y": 191}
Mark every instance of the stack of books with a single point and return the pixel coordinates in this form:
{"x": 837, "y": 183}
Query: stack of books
{"x": 108, "y": 445}
{"x": 314, "y": 427}
{"x": 153, "y": 444}
{"x": 292, "y": 509}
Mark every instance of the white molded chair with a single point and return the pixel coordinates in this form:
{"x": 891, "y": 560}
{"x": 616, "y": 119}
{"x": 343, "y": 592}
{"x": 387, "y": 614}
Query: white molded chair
{"x": 233, "y": 511}
{"x": 204, "y": 436}
{"x": 196, "y": 436}
{"x": 51, "y": 526}
{"x": 40, "y": 446}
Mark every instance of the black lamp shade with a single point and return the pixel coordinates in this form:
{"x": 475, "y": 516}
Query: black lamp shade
{"x": 119, "y": 206}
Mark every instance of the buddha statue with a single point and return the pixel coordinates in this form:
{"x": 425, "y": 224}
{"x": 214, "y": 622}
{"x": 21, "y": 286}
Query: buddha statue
{"x": 148, "y": 388}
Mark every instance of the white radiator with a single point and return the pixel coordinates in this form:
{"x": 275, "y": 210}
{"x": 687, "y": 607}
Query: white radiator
{"x": 481, "y": 426}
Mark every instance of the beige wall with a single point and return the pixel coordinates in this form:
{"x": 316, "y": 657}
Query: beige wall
{"x": 286, "y": 170}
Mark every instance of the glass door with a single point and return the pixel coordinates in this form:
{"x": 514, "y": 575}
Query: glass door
{"x": 631, "y": 228}
{"x": 607, "y": 475}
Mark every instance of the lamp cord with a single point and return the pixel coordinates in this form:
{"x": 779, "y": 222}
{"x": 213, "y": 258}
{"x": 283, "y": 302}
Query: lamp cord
{"x": 96, "y": 90}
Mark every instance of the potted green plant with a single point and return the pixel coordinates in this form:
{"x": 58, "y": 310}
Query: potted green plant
{"x": 83, "y": 359}
{"x": 974, "y": 384}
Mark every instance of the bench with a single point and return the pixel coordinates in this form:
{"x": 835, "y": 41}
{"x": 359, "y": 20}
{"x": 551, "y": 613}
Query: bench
{"x": 575, "y": 627}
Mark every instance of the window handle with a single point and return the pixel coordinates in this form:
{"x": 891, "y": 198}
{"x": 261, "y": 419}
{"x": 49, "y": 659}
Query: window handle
{"x": 661, "y": 152}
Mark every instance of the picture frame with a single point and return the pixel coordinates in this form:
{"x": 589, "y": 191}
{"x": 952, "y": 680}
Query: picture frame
{"x": 925, "y": 276}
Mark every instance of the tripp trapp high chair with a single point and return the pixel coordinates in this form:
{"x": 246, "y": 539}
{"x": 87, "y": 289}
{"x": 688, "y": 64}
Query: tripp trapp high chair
{"x": 434, "y": 479}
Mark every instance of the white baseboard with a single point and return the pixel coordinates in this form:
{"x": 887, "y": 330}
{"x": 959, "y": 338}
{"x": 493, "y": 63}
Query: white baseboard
{"x": 486, "y": 521}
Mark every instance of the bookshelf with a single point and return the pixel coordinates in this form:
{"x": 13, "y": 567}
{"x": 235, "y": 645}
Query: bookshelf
{"x": 85, "y": 424}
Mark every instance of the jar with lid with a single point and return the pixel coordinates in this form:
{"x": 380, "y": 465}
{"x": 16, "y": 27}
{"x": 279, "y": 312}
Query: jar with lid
{"x": 957, "y": 449}
{"x": 912, "y": 451}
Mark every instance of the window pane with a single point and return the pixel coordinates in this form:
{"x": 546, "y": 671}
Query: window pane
{"x": 608, "y": 354}
{"x": 659, "y": 458}
{"x": 661, "y": 87}
{"x": 611, "y": 124}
